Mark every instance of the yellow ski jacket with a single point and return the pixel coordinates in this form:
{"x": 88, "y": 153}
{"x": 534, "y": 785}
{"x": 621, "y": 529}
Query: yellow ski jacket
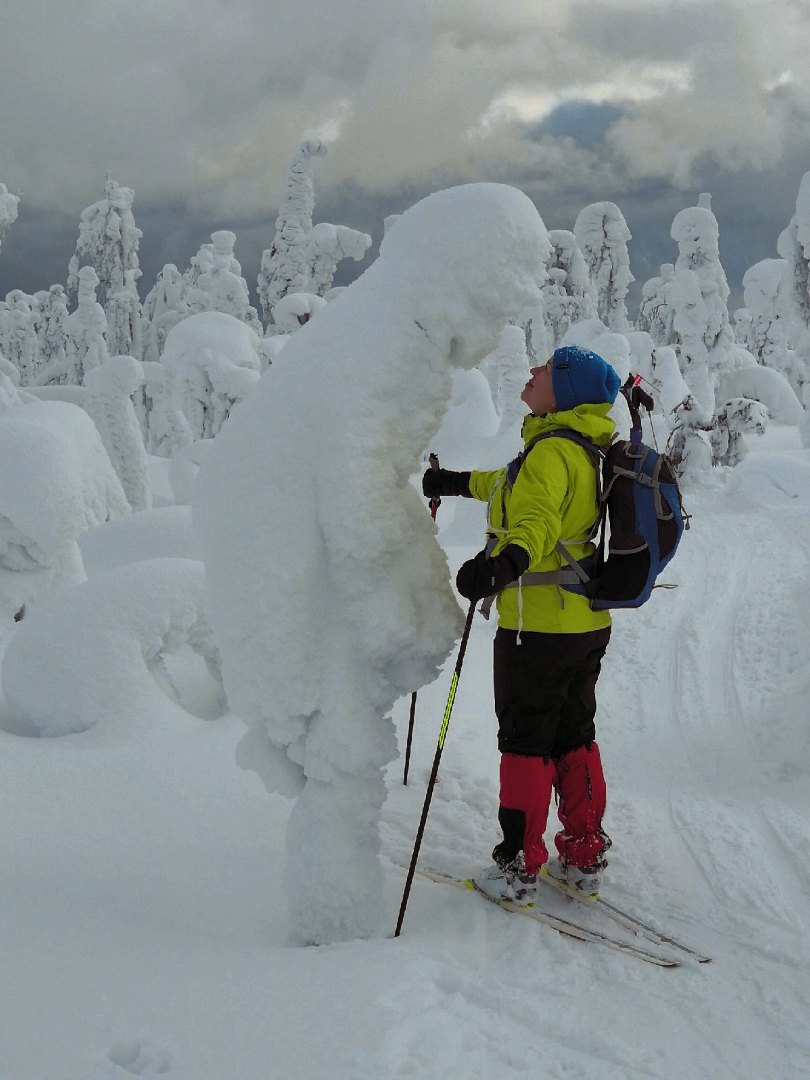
{"x": 554, "y": 498}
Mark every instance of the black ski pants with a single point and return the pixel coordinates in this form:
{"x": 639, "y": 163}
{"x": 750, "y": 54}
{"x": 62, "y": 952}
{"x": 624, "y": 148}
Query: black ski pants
{"x": 545, "y": 690}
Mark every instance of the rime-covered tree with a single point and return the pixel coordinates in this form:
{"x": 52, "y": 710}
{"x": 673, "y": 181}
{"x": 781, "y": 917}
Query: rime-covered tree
{"x": 8, "y": 209}
{"x": 164, "y": 307}
{"x": 328, "y": 245}
{"x": 39, "y": 313}
{"x": 212, "y": 361}
{"x": 602, "y": 234}
{"x": 163, "y": 422}
{"x": 690, "y": 320}
{"x": 736, "y": 419}
{"x": 21, "y": 345}
{"x": 215, "y": 281}
{"x": 52, "y": 345}
{"x": 124, "y": 319}
{"x": 768, "y": 326}
{"x": 741, "y": 323}
{"x": 4, "y": 325}
{"x": 506, "y": 370}
{"x": 568, "y": 295}
{"x": 85, "y": 347}
{"x": 655, "y": 312}
{"x": 286, "y": 265}
{"x": 109, "y": 402}
{"x": 108, "y": 241}
{"x": 697, "y": 234}
{"x": 794, "y": 247}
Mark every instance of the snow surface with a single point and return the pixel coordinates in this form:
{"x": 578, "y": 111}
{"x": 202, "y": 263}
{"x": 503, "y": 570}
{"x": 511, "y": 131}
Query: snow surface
{"x": 143, "y": 918}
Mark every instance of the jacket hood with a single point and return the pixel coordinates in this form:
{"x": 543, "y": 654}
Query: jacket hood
{"x": 592, "y": 421}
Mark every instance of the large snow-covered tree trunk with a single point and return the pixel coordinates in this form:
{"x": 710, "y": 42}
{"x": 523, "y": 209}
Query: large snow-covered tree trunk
{"x": 328, "y": 594}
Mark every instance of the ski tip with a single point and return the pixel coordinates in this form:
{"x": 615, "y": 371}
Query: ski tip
{"x": 470, "y": 884}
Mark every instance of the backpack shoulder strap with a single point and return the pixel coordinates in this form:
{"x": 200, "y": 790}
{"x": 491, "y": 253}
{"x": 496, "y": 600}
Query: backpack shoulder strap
{"x": 573, "y": 436}
{"x": 598, "y": 457}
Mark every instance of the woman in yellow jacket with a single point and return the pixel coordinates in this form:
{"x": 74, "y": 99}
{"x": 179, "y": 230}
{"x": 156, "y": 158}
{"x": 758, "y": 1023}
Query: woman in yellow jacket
{"x": 549, "y": 644}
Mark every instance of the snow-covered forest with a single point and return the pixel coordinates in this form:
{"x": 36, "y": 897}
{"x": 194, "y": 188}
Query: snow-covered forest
{"x": 219, "y": 586}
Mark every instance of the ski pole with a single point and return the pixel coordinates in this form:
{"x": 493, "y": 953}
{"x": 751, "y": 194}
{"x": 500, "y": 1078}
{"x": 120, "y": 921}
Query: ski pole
{"x": 434, "y": 505}
{"x": 435, "y": 770}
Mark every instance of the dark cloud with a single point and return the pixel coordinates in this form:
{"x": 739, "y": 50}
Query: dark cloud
{"x": 198, "y": 106}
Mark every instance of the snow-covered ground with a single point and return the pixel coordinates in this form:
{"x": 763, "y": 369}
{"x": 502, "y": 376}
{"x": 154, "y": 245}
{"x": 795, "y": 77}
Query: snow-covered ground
{"x": 144, "y": 928}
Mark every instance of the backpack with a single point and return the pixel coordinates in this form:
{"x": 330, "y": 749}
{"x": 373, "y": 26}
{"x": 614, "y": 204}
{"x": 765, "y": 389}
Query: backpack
{"x": 639, "y": 495}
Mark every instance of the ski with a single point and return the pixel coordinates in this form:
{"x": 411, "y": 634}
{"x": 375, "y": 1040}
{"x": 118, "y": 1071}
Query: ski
{"x": 562, "y": 926}
{"x": 624, "y": 918}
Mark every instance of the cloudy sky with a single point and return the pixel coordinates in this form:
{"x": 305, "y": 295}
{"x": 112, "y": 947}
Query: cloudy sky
{"x": 198, "y": 106}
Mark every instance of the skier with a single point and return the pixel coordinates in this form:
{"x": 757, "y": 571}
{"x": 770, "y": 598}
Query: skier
{"x": 549, "y": 644}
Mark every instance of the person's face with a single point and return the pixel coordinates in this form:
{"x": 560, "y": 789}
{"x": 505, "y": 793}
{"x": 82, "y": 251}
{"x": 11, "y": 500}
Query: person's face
{"x": 538, "y": 393}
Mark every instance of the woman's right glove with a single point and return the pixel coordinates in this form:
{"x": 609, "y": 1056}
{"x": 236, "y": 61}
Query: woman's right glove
{"x": 437, "y": 482}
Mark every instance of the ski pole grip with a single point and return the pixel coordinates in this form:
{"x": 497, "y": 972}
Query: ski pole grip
{"x": 435, "y": 502}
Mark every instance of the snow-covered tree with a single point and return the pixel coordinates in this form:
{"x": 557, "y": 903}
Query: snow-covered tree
{"x": 507, "y": 370}
{"x": 163, "y": 422}
{"x": 215, "y": 281}
{"x": 690, "y": 320}
{"x": 568, "y": 295}
{"x": 54, "y": 337}
{"x": 85, "y": 346}
{"x": 737, "y": 418}
{"x": 8, "y": 209}
{"x": 366, "y": 598}
{"x": 655, "y": 312}
{"x": 794, "y": 247}
{"x": 741, "y": 323}
{"x": 697, "y": 234}
{"x": 768, "y": 326}
{"x": 199, "y": 265}
{"x": 109, "y": 402}
{"x": 602, "y": 234}
{"x": 286, "y": 266}
{"x": 39, "y": 303}
{"x": 108, "y": 241}
{"x": 328, "y": 245}
{"x": 56, "y": 482}
{"x": 164, "y": 307}
{"x": 21, "y": 345}
{"x": 124, "y": 319}
{"x": 212, "y": 361}
{"x": 689, "y": 447}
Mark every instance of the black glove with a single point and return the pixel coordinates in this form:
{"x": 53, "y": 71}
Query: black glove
{"x": 437, "y": 482}
{"x": 480, "y": 577}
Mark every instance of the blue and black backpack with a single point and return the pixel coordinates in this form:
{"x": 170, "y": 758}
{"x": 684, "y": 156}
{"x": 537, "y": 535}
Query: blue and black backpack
{"x": 640, "y": 498}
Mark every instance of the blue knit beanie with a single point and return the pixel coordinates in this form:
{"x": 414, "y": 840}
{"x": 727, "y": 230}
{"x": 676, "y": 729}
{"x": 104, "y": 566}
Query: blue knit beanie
{"x": 580, "y": 377}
